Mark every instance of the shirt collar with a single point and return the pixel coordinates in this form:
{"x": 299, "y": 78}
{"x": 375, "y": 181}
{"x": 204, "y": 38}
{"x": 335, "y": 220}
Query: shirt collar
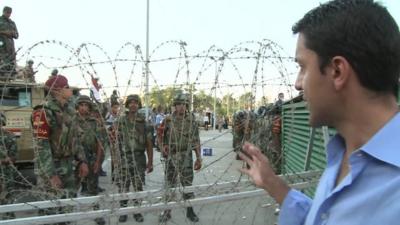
{"x": 383, "y": 145}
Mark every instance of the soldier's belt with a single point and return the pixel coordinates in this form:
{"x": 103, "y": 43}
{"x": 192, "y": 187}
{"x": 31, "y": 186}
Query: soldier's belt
{"x": 136, "y": 151}
{"x": 59, "y": 159}
{"x": 176, "y": 149}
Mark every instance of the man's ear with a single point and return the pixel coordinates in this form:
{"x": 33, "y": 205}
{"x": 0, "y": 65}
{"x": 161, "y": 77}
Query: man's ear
{"x": 340, "y": 71}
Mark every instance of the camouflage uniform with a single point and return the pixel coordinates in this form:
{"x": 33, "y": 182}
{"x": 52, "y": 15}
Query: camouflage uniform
{"x": 7, "y": 48}
{"x": 181, "y": 135}
{"x": 275, "y": 144}
{"x": 28, "y": 72}
{"x": 262, "y": 130}
{"x": 135, "y": 136}
{"x": 102, "y": 133}
{"x": 55, "y": 154}
{"x": 267, "y": 135}
{"x": 243, "y": 125}
{"x": 91, "y": 144}
{"x": 92, "y": 147}
{"x": 8, "y": 154}
{"x": 57, "y": 145}
{"x": 114, "y": 98}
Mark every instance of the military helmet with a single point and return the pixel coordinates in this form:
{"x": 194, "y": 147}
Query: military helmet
{"x": 83, "y": 99}
{"x": 240, "y": 115}
{"x": 131, "y": 98}
{"x": 262, "y": 111}
{"x": 7, "y": 9}
{"x": 181, "y": 98}
{"x": 3, "y": 119}
{"x": 30, "y": 62}
{"x": 54, "y": 72}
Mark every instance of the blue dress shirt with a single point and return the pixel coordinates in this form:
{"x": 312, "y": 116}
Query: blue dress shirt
{"x": 368, "y": 195}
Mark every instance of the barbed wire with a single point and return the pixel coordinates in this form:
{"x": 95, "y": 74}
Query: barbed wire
{"x": 212, "y": 64}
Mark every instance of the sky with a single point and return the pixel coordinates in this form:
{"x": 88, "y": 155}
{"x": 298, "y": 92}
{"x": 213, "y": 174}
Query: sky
{"x": 111, "y": 24}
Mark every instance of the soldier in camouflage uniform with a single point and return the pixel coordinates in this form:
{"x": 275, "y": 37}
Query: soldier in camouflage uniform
{"x": 92, "y": 146}
{"x": 8, "y": 32}
{"x": 134, "y": 133}
{"x": 243, "y": 125}
{"x": 28, "y": 72}
{"x": 102, "y": 134}
{"x": 8, "y": 154}
{"x": 262, "y": 131}
{"x": 180, "y": 139}
{"x": 57, "y": 145}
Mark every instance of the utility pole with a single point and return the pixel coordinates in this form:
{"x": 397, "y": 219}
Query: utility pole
{"x": 215, "y": 96}
{"x": 146, "y": 96}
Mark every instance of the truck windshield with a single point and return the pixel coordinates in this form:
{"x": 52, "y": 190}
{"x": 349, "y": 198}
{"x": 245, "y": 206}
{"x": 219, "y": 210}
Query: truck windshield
{"x": 15, "y": 96}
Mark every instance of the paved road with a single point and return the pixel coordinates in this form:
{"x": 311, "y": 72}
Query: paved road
{"x": 219, "y": 167}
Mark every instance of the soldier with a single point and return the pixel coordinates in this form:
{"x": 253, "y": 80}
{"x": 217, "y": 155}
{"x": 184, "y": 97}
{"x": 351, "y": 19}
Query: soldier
{"x": 261, "y": 132}
{"x": 102, "y": 134}
{"x": 135, "y": 136}
{"x": 180, "y": 138}
{"x": 57, "y": 147}
{"x": 243, "y": 124}
{"x": 8, "y": 32}
{"x": 54, "y": 72}
{"x": 8, "y": 154}
{"x": 114, "y": 98}
{"x": 92, "y": 146}
{"x": 110, "y": 121}
{"x": 276, "y": 127}
{"x": 28, "y": 72}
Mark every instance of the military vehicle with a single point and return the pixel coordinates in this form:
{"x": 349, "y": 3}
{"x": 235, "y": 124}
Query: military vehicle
{"x": 16, "y": 101}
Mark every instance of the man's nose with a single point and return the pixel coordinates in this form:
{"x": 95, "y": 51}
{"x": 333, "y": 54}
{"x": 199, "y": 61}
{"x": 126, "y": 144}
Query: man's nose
{"x": 299, "y": 83}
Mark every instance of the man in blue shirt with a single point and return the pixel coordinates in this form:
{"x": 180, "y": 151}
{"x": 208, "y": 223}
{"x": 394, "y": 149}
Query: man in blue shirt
{"x": 349, "y": 57}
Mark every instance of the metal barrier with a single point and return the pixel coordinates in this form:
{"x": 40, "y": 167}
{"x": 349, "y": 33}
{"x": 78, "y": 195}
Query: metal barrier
{"x": 311, "y": 178}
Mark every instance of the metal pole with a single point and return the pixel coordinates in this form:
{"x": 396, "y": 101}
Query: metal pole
{"x": 191, "y": 96}
{"x": 146, "y": 95}
{"x": 109, "y": 212}
{"x": 227, "y": 108}
{"x": 150, "y": 194}
{"x": 215, "y": 96}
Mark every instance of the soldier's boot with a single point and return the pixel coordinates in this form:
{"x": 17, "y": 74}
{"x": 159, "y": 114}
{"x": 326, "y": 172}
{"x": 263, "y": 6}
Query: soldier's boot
{"x": 238, "y": 157}
{"x": 138, "y": 217}
{"x": 165, "y": 216}
{"x": 191, "y": 215}
{"x": 123, "y": 218}
{"x": 84, "y": 189}
{"x": 100, "y": 221}
{"x": 10, "y": 216}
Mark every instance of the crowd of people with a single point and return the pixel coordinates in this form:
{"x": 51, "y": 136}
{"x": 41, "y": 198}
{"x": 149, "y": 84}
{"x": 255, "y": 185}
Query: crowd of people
{"x": 72, "y": 137}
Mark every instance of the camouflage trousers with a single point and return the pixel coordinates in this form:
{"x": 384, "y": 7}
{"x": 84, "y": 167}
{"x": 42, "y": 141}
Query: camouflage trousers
{"x": 7, "y": 183}
{"x": 7, "y": 187}
{"x": 91, "y": 181}
{"x": 178, "y": 168}
{"x": 7, "y": 58}
{"x": 65, "y": 171}
{"x": 131, "y": 170}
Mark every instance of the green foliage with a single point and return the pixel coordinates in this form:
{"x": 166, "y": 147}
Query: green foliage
{"x": 225, "y": 106}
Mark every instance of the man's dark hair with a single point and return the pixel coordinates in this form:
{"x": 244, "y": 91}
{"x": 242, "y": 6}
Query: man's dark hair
{"x": 114, "y": 103}
{"x": 363, "y": 32}
{"x": 7, "y": 9}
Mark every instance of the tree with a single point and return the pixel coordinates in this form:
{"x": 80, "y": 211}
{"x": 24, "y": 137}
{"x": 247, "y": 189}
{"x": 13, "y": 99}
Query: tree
{"x": 245, "y": 101}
